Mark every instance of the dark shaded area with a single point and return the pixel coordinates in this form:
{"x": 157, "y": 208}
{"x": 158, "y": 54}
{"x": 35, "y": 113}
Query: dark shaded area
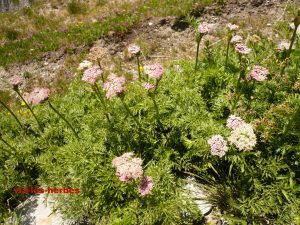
{"x": 9, "y": 5}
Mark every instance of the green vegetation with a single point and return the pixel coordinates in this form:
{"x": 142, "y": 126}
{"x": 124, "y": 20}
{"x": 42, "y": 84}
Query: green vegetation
{"x": 50, "y": 33}
{"x": 168, "y": 128}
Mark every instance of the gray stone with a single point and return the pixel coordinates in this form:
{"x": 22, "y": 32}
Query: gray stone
{"x": 38, "y": 210}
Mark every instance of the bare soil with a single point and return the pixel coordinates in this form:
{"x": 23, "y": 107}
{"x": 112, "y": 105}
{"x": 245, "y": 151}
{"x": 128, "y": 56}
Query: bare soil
{"x": 162, "y": 39}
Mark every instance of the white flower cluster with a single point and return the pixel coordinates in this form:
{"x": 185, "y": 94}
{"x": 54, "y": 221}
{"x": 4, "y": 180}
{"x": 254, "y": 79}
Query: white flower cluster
{"x": 242, "y": 134}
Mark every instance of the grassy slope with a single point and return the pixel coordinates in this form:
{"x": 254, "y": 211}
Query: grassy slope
{"x": 48, "y": 34}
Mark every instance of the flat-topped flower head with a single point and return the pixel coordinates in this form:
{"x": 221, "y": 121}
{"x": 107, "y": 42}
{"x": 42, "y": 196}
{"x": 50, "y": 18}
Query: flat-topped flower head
{"x": 92, "y": 74}
{"x": 84, "y": 65}
{"x": 218, "y": 145}
{"x": 128, "y": 167}
{"x": 232, "y": 27}
{"x": 15, "y": 81}
{"x": 148, "y": 86}
{"x": 236, "y": 39}
{"x": 146, "y": 186}
{"x": 38, "y": 95}
{"x": 154, "y": 71}
{"x": 205, "y": 28}
{"x": 243, "y": 137}
{"x": 122, "y": 159}
{"x": 259, "y": 73}
{"x": 242, "y": 49}
{"x": 114, "y": 86}
{"x": 234, "y": 121}
{"x": 134, "y": 49}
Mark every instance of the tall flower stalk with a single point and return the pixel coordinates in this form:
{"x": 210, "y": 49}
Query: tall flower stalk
{"x": 154, "y": 71}
{"x": 64, "y": 119}
{"x": 91, "y": 76}
{"x": 241, "y": 50}
{"x": 129, "y": 111}
{"x": 13, "y": 114}
{"x": 198, "y": 40}
{"x": 30, "y": 109}
{"x": 98, "y": 93}
{"x": 136, "y": 50}
{"x": 232, "y": 28}
{"x": 203, "y": 28}
{"x": 115, "y": 87}
{"x": 288, "y": 53}
{"x": 16, "y": 81}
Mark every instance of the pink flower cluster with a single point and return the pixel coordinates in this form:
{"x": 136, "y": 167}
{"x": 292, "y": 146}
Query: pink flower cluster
{"x": 218, "y": 145}
{"x": 92, "y": 74}
{"x": 259, "y": 73}
{"x": 236, "y": 39}
{"x": 129, "y": 168}
{"x": 114, "y": 86}
{"x": 15, "y": 81}
{"x": 242, "y": 49}
{"x": 38, "y": 95}
{"x": 242, "y": 134}
{"x": 154, "y": 71}
{"x": 148, "y": 86}
{"x": 205, "y": 28}
{"x": 234, "y": 121}
{"x": 146, "y": 186}
{"x": 134, "y": 49}
{"x": 232, "y": 27}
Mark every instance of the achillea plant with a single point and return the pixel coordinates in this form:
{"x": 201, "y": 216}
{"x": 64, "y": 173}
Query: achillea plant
{"x": 91, "y": 76}
{"x": 33, "y": 97}
{"x": 242, "y": 50}
{"x": 232, "y": 28}
{"x": 146, "y": 186}
{"x": 115, "y": 87}
{"x": 13, "y": 114}
{"x": 154, "y": 71}
{"x": 218, "y": 145}
{"x": 136, "y": 51}
{"x": 129, "y": 168}
{"x": 243, "y": 137}
{"x": 203, "y": 29}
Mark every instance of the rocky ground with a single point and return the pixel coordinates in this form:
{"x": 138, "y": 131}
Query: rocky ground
{"x": 162, "y": 39}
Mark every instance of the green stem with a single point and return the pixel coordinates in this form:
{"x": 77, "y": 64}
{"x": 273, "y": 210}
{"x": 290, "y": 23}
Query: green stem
{"x": 156, "y": 110}
{"x": 12, "y": 113}
{"x": 227, "y": 50}
{"x": 99, "y": 64}
{"x": 130, "y": 113}
{"x": 236, "y": 100}
{"x": 30, "y": 109}
{"x": 289, "y": 51}
{"x": 64, "y": 119}
{"x": 253, "y": 82}
{"x": 197, "y": 54}
{"x": 139, "y": 69}
{"x": 97, "y": 91}
{"x": 241, "y": 73}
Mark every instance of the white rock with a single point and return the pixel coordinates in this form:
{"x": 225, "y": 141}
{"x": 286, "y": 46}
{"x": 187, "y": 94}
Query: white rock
{"x": 199, "y": 197}
{"x": 38, "y": 210}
